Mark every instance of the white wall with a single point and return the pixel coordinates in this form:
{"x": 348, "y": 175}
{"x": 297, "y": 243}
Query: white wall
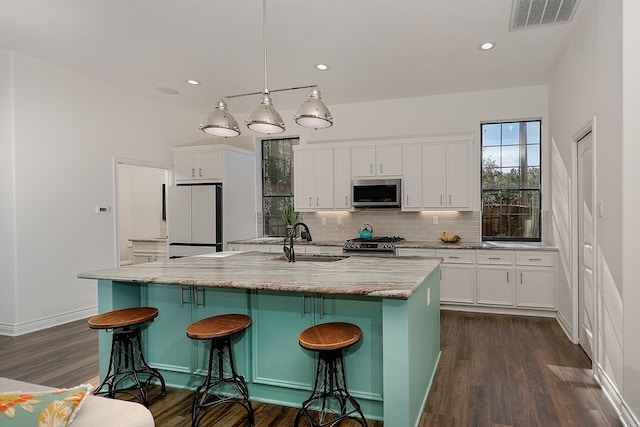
{"x": 587, "y": 83}
{"x": 67, "y": 131}
{"x": 7, "y": 194}
{"x": 631, "y": 203}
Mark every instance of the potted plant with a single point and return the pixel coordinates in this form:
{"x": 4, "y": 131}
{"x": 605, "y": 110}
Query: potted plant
{"x": 289, "y": 216}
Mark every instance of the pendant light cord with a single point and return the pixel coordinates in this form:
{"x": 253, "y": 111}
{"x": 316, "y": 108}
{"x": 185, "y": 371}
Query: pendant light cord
{"x": 264, "y": 43}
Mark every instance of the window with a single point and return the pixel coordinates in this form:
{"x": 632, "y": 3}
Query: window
{"x": 511, "y": 181}
{"x": 277, "y": 183}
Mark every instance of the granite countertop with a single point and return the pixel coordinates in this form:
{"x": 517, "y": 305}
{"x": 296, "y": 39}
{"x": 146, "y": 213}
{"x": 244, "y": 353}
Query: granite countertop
{"x": 386, "y": 277}
{"x": 415, "y": 244}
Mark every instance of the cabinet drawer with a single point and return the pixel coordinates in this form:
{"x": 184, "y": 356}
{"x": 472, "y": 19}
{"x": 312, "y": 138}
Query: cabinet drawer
{"x": 415, "y": 252}
{"x": 546, "y": 258}
{"x": 457, "y": 256}
{"x": 495, "y": 257}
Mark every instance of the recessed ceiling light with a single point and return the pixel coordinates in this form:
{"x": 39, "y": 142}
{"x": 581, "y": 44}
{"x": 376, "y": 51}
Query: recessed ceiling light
{"x": 486, "y": 46}
{"x": 322, "y": 67}
{"x": 167, "y": 90}
{"x": 193, "y": 82}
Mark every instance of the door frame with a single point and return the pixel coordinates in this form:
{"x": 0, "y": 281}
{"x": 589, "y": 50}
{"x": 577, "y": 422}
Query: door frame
{"x": 132, "y": 162}
{"x": 590, "y": 127}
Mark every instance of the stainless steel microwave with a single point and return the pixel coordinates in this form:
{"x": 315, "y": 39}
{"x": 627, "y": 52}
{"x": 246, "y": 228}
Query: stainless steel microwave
{"x": 376, "y": 193}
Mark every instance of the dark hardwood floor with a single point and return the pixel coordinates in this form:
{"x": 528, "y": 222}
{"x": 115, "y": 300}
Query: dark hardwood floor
{"x": 494, "y": 371}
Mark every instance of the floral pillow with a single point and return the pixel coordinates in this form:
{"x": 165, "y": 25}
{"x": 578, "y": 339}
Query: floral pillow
{"x": 55, "y": 408}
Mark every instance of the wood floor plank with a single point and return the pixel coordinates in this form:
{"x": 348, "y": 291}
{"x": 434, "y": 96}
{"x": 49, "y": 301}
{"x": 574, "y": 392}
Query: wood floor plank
{"x": 498, "y": 371}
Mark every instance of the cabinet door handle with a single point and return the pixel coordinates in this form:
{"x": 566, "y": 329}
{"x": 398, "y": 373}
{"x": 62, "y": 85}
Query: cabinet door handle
{"x": 371, "y": 168}
{"x": 521, "y": 278}
{"x": 304, "y": 305}
{"x": 195, "y": 297}
{"x": 322, "y": 307}
{"x": 310, "y": 201}
{"x": 182, "y": 301}
{"x": 193, "y": 172}
{"x": 381, "y": 168}
{"x": 317, "y": 201}
{"x": 407, "y": 199}
{"x": 200, "y": 172}
{"x": 346, "y": 200}
{"x": 441, "y": 200}
{"x": 449, "y": 199}
{"x": 507, "y": 276}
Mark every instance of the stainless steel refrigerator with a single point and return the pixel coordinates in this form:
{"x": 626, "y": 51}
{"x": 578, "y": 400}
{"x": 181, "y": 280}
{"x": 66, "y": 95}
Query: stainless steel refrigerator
{"x": 194, "y": 221}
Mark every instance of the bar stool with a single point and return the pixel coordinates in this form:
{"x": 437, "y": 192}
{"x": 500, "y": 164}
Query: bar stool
{"x": 222, "y": 384}
{"x": 127, "y": 370}
{"x": 330, "y": 397}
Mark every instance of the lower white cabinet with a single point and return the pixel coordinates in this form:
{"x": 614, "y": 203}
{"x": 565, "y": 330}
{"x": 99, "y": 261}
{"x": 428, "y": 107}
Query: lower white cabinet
{"x": 536, "y": 287}
{"x": 457, "y": 276}
{"x": 495, "y": 285}
{"x": 148, "y": 250}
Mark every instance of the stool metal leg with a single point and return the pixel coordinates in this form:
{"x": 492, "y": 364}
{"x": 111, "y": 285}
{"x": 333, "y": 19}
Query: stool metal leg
{"x": 330, "y": 387}
{"x": 128, "y": 368}
{"x": 221, "y": 387}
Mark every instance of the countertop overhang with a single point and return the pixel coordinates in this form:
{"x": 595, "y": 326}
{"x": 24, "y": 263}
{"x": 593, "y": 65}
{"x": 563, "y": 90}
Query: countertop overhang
{"x": 385, "y": 277}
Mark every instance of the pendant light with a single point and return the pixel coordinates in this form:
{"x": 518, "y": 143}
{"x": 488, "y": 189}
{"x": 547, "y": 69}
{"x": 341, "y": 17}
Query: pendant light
{"x": 313, "y": 113}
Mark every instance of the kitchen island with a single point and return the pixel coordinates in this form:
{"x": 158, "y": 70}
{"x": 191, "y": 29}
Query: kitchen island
{"x": 395, "y": 301}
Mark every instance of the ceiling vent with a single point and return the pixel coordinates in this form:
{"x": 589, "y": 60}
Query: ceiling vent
{"x": 534, "y": 13}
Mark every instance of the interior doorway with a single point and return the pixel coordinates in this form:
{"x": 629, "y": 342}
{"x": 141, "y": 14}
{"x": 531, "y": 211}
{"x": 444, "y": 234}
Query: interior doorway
{"x": 586, "y": 278}
{"x": 140, "y": 204}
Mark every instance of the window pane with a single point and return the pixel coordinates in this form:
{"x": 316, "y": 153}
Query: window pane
{"x": 533, "y": 155}
{"x": 274, "y": 225}
{"x": 511, "y": 215}
{"x": 491, "y": 134}
{"x": 533, "y": 133}
{"x": 510, "y": 133}
{"x": 491, "y": 155}
{"x": 511, "y": 156}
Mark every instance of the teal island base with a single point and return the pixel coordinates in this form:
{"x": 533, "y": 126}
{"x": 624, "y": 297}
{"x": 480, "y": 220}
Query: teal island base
{"x": 389, "y": 371}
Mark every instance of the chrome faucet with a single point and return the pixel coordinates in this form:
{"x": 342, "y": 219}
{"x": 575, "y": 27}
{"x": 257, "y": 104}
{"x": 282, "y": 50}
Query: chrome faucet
{"x": 288, "y": 251}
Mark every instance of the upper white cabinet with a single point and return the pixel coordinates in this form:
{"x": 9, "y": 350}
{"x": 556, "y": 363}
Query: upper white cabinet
{"x": 313, "y": 179}
{"x": 198, "y": 165}
{"x": 447, "y": 180}
{"x": 342, "y": 178}
{"x": 412, "y": 176}
{"x": 376, "y": 160}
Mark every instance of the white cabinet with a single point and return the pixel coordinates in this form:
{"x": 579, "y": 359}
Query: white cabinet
{"x": 198, "y": 165}
{"x": 313, "y": 179}
{"x": 536, "y": 279}
{"x": 411, "y": 176}
{"x": 376, "y": 160}
{"x": 457, "y": 275}
{"x": 148, "y": 250}
{"x": 447, "y": 175}
{"x": 495, "y": 277}
{"x": 342, "y": 178}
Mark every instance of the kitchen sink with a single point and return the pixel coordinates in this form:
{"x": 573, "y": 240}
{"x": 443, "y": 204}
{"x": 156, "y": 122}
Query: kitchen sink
{"x": 314, "y": 258}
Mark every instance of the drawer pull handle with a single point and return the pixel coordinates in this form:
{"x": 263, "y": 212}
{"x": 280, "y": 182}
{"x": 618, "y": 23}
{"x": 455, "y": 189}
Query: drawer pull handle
{"x": 454, "y": 257}
{"x": 182, "y": 301}
{"x": 535, "y": 259}
{"x": 322, "y": 313}
{"x": 304, "y": 305}
{"x": 494, "y": 257}
{"x": 507, "y": 277}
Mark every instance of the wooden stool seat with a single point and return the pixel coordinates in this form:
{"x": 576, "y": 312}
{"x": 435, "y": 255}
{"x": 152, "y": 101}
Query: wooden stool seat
{"x": 123, "y": 318}
{"x": 330, "y": 336}
{"x": 218, "y": 326}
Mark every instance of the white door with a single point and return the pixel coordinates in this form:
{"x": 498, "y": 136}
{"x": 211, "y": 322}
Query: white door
{"x": 586, "y": 291}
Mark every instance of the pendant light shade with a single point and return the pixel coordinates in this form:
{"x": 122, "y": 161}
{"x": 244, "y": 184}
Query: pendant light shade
{"x": 313, "y": 113}
{"x": 265, "y": 118}
{"x": 221, "y": 122}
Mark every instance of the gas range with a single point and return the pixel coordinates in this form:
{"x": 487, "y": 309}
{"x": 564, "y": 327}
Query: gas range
{"x": 372, "y": 246}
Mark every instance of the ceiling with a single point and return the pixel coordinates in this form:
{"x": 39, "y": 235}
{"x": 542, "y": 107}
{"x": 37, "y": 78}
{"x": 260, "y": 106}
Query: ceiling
{"x": 376, "y": 49}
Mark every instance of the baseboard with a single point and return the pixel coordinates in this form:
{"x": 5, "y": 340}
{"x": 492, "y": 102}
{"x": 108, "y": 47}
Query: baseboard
{"x": 498, "y": 310}
{"x": 47, "y": 322}
{"x": 565, "y": 325}
{"x": 627, "y": 417}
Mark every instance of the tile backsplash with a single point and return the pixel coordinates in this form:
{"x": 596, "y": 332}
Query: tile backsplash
{"x": 420, "y": 226}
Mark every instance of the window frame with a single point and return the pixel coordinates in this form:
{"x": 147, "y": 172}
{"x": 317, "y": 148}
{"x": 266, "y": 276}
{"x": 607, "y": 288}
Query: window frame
{"x": 505, "y": 189}
{"x": 289, "y": 196}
